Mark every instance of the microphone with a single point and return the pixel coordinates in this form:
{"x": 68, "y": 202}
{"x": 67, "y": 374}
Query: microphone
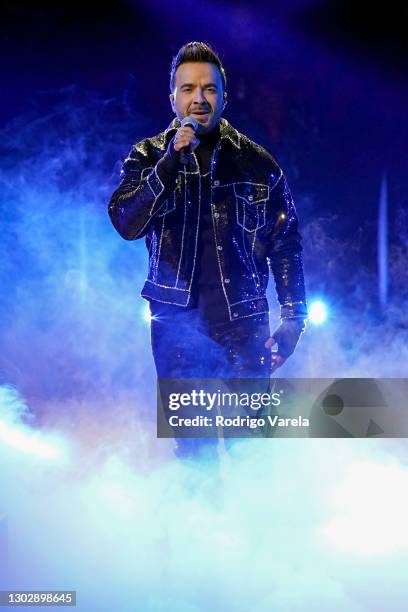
{"x": 185, "y": 152}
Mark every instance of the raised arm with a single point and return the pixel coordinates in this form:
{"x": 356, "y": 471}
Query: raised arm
{"x": 142, "y": 192}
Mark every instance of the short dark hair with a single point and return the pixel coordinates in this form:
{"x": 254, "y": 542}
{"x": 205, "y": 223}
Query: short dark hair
{"x": 196, "y": 52}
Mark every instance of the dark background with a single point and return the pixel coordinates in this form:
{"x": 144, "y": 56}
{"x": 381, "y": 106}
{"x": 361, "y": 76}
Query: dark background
{"x": 321, "y": 84}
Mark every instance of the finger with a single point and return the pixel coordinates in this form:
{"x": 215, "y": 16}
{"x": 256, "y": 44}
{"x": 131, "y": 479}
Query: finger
{"x": 270, "y": 342}
{"x": 182, "y": 137}
{"x": 185, "y": 141}
{"x": 180, "y": 143}
{"x": 186, "y": 131}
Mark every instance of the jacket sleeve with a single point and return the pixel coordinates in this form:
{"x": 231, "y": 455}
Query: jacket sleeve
{"x": 141, "y": 195}
{"x": 284, "y": 251}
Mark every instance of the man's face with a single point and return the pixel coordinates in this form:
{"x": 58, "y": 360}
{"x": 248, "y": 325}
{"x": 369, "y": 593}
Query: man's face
{"x": 198, "y": 92}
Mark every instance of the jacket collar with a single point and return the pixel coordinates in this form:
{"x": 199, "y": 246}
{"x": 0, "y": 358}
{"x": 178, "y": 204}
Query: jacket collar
{"x": 226, "y": 132}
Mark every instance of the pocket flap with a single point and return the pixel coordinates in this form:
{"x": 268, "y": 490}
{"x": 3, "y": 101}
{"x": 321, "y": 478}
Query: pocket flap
{"x": 253, "y": 193}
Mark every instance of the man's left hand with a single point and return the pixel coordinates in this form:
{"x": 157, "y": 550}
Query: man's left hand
{"x": 286, "y": 336}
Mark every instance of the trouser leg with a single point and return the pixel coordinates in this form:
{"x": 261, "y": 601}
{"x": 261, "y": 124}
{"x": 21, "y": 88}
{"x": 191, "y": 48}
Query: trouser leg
{"x": 246, "y": 358}
{"x": 186, "y": 347}
{"x": 182, "y": 348}
{"x": 245, "y": 352}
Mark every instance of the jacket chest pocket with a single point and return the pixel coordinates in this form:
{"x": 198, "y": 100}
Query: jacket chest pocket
{"x": 250, "y": 203}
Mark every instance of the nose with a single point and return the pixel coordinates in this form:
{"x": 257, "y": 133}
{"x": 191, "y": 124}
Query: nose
{"x": 199, "y": 96}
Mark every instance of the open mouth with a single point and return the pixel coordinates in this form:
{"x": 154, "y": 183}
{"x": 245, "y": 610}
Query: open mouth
{"x": 200, "y": 113}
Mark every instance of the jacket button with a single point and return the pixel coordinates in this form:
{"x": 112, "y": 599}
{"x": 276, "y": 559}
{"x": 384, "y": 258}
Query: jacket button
{"x": 216, "y": 215}
{"x": 216, "y": 183}
{"x": 234, "y": 314}
{"x": 219, "y": 247}
{"x": 227, "y": 280}
{"x": 250, "y": 198}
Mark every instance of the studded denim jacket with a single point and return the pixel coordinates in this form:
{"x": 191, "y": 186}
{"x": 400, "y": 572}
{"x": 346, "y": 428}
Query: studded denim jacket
{"x": 254, "y": 220}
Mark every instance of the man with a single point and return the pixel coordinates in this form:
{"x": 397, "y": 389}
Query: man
{"x": 214, "y": 226}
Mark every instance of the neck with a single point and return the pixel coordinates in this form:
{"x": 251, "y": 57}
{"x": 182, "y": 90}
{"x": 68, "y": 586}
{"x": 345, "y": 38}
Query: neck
{"x": 213, "y": 134}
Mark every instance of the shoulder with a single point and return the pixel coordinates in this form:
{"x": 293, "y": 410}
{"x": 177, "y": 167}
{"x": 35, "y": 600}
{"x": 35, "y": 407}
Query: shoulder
{"x": 258, "y": 151}
{"x": 159, "y": 143}
{"x": 261, "y": 157}
{"x": 148, "y": 150}
{"x": 250, "y": 149}
{"x": 148, "y": 146}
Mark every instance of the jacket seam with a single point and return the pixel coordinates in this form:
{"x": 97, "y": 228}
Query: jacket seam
{"x": 162, "y": 301}
{"x": 198, "y": 222}
{"x": 148, "y": 280}
{"x": 252, "y": 314}
{"x": 183, "y": 232}
{"x": 215, "y": 233}
{"x": 156, "y": 271}
{"x": 261, "y": 297}
{"x": 160, "y": 192}
{"x": 129, "y": 194}
{"x": 278, "y": 179}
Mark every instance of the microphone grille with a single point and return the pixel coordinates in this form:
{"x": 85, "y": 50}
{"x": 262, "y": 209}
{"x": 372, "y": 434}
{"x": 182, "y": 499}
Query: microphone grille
{"x": 191, "y": 122}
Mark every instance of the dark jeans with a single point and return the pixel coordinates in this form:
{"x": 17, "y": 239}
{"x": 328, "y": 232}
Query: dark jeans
{"x": 185, "y": 346}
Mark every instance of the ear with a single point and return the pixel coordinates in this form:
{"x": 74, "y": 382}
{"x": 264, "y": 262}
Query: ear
{"x": 171, "y": 98}
{"x": 225, "y": 100}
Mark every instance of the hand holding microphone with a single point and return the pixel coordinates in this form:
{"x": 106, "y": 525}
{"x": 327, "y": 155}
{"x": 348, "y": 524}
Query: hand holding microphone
{"x": 185, "y": 139}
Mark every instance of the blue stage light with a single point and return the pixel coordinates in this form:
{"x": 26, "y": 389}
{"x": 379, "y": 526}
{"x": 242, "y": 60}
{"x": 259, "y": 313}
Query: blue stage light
{"x": 146, "y": 313}
{"x": 317, "y": 312}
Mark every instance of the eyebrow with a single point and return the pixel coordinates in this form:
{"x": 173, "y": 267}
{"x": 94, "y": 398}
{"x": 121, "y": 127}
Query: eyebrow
{"x": 192, "y": 85}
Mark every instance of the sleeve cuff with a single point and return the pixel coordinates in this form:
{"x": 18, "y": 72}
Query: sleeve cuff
{"x": 294, "y": 310}
{"x": 168, "y": 166}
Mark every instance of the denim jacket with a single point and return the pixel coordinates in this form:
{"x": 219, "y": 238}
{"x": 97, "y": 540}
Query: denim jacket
{"x": 254, "y": 221}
